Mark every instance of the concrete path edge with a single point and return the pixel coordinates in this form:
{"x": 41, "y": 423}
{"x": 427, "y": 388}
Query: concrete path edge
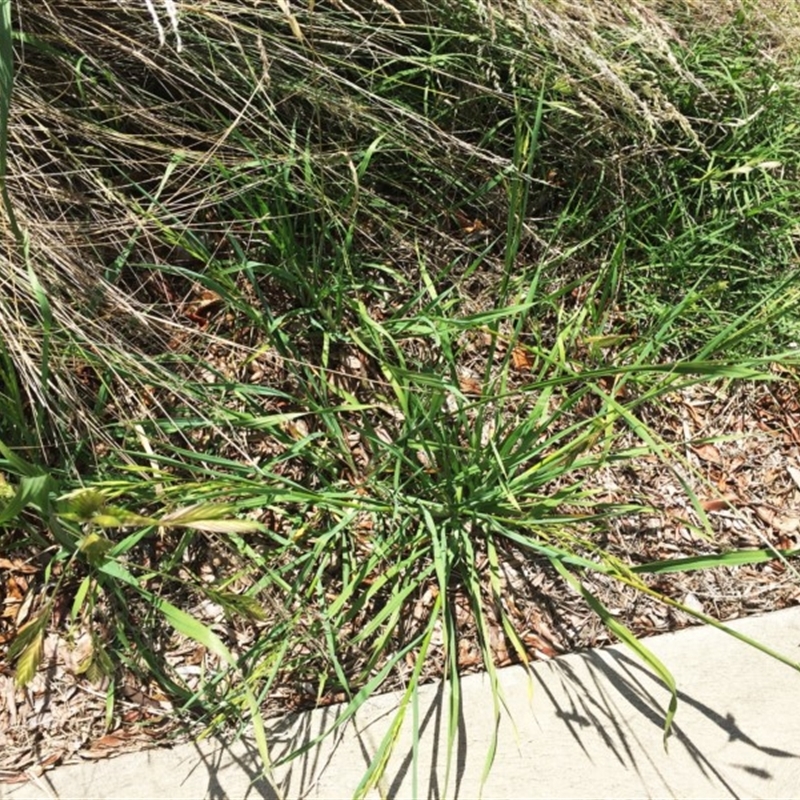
{"x": 585, "y": 725}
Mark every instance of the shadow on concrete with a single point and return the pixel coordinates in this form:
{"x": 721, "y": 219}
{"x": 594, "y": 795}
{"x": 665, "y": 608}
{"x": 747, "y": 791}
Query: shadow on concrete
{"x": 306, "y": 746}
{"x": 300, "y": 739}
{"x": 240, "y": 757}
{"x": 434, "y": 716}
{"x": 597, "y": 710}
{"x": 593, "y": 706}
{"x": 611, "y": 699}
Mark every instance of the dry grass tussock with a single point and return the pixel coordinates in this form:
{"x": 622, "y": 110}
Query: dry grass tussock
{"x": 116, "y": 144}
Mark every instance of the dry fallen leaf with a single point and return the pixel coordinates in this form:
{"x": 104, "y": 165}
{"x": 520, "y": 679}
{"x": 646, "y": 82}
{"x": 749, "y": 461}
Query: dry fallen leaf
{"x": 707, "y": 452}
{"x": 109, "y": 741}
{"x": 737, "y": 462}
{"x": 693, "y": 602}
{"x": 18, "y": 565}
{"x": 720, "y": 503}
{"x": 105, "y": 746}
{"x": 782, "y": 523}
{"x": 469, "y": 385}
{"x": 536, "y": 644}
{"x": 521, "y": 359}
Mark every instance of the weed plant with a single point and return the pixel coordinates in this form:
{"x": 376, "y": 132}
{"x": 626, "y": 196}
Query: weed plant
{"x": 322, "y": 313}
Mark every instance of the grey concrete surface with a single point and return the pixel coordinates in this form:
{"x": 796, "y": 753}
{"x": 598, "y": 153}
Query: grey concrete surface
{"x": 585, "y": 725}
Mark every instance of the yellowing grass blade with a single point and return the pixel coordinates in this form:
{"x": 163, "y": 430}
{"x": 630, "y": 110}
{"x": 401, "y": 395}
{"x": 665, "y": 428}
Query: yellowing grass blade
{"x": 628, "y": 639}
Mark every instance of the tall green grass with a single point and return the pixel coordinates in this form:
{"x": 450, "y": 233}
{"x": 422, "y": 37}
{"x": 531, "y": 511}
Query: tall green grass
{"x": 459, "y": 257}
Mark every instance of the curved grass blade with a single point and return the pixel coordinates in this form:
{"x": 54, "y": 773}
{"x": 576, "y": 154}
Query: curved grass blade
{"x": 189, "y": 626}
{"x": 6, "y": 87}
{"x": 381, "y": 759}
{"x": 627, "y": 638}
{"x": 708, "y": 620}
{"x": 736, "y": 558}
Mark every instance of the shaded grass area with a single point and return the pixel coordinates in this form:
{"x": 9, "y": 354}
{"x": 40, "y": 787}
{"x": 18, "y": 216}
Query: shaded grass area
{"x": 310, "y": 324}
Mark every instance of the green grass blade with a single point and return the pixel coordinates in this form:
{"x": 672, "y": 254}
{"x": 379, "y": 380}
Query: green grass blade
{"x": 6, "y": 89}
{"x": 736, "y": 558}
{"x": 628, "y": 639}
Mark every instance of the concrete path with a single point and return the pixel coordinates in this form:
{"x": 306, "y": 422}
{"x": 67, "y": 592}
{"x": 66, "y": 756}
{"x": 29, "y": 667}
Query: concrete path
{"x": 585, "y": 725}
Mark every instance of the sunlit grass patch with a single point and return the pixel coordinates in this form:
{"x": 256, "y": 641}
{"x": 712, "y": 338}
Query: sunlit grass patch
{"x": 317, "y": 326}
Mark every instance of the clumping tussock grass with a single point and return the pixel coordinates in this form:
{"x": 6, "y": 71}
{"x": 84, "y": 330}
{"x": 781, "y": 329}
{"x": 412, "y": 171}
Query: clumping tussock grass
{"x": 314, "y": 315}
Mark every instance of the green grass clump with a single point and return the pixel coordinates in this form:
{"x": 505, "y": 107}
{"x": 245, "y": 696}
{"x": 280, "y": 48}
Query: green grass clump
{"x": 321, "y": 316}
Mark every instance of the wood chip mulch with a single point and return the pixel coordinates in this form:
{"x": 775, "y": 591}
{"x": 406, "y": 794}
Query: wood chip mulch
{"x": 736, "y": 447}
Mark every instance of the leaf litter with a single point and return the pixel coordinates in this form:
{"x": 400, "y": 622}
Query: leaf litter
{"x": 740, "y": 458}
